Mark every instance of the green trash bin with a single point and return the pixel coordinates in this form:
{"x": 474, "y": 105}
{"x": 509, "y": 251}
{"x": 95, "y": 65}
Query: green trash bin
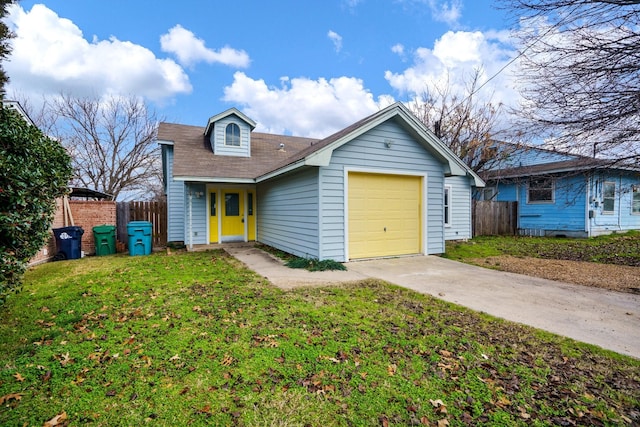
{"x": 139, "y": 233}
{"x": 105, "y": 239}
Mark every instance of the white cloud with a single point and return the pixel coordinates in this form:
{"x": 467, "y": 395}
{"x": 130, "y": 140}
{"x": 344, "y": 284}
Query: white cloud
{"x": 304, "y": 107}
{"x": 336, "y": 39}
{"x": 50, "y": 55}
{"x": 189, "y": 50}
{"x": 446, "y": 11}
{"x": 453, "y": 59}
{"x": 398, "y": 49}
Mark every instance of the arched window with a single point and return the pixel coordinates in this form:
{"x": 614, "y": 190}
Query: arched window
{"x": 232, "y": 135}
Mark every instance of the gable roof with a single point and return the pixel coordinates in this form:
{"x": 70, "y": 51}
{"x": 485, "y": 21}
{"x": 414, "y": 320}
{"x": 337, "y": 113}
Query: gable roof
{"x": 224, "y": 114}
{"x": 569, "y": 163}
{"x": 193, "y": 159}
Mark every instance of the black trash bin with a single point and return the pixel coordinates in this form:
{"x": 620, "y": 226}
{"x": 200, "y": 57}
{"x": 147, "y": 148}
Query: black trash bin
{"x": 68, "y": 242}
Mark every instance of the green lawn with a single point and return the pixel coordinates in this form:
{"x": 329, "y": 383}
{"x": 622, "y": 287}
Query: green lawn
{"x": 196, "y": 339}
{"x": 619, "y": 249}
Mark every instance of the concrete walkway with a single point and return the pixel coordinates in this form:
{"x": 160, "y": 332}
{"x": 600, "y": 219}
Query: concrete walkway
{"x": 608, "y": 319}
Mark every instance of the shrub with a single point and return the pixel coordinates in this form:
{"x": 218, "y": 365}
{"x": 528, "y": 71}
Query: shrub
{"x": 35, "y": 171}
{"x": 313, "y": 264}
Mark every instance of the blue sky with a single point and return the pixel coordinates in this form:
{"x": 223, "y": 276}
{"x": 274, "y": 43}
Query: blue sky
{"x": 305, "y": 68}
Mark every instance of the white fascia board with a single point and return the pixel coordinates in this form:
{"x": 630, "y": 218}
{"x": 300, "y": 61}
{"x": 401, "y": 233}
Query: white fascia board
{"x": 281, "y": 171}
{"x": 319, "y": 158}
{"x": 456, "y": 166}
{"x": 213, "y": 180}
{"x": 164, "y": 142}
{"x": 227, "y": 113}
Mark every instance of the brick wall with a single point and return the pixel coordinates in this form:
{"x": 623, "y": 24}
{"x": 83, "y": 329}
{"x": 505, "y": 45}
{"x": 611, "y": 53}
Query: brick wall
{"x": 86, "y": 214}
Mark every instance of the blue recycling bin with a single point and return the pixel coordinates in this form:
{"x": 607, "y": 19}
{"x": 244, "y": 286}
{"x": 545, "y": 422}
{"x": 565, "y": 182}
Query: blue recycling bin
{"x": 139, "y": 233}
{"x": 68, "y": 242}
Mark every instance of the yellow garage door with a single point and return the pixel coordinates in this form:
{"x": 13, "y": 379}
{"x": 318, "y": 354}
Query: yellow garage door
{"x": 384, "y": 215}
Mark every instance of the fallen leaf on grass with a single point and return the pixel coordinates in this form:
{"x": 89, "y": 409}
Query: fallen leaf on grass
{"x": 176, "y": 357}
{"x": 8, "y": 397}
{"x": 18, "y": 377}
{"x": 227, "y": 360}
{"x": 443, "y": 422}
{"x": 58, "y": 420}
{"x": 392, "y": 369}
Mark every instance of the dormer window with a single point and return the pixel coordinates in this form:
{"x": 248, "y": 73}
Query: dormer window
{"x": 232, "y": 135}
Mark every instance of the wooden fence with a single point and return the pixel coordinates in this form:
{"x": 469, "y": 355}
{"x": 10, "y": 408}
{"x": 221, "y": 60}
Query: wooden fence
{"x": 495, "y": 218}
{"x": 154, "y": 212}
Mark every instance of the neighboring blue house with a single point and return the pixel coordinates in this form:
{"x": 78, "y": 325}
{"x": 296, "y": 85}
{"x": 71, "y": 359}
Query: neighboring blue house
{"x": 561, "y": 194}
{"x": 384, "y": 186}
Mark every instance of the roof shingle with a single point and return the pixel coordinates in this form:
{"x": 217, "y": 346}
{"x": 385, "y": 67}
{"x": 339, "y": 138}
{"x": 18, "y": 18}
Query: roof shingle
{"x": 193, "y": 156}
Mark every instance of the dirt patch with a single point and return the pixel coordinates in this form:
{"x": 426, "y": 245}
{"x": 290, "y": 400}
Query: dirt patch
{"x": 607, "y": 276}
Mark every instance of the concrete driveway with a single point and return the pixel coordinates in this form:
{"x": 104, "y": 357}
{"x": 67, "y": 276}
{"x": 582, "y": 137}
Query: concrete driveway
{"x": 608, "y": 319}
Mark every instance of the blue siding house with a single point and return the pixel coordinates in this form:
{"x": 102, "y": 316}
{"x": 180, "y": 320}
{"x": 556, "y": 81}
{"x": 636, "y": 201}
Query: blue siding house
{"x": 561, "y": 194}
{"x": 384, "y": 186}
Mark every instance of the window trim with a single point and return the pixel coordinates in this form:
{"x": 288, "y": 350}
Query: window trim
{"x": 227, "y": 141}
{"x": 446, "y": 205}
{"x": 613, "y": 198}
{"x": 541, "y": 202}
{"x": 635, "y": 191}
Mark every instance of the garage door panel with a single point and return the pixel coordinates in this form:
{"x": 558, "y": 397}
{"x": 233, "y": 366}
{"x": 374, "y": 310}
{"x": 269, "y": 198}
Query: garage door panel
{"x": 384, "y": 215}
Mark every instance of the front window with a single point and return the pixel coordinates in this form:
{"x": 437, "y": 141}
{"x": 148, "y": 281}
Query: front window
{"x": 232, "y": 135}
{"x": 608, "y": 197}
{"x": 635, "y": 199}
{"x": 540, "y": 191}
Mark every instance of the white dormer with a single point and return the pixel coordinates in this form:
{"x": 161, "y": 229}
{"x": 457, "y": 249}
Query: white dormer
{"x": 230, "y": 133}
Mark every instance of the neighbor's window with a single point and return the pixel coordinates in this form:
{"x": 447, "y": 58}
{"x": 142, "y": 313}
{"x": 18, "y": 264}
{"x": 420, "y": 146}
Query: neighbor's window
{"x": 635, "y": 199}
{"x": 447, "y": 206}
{"x": 540, "y": 190}
{"x": 232, "y": 135}
{"x": 608, "y": 197}
{"x": 489, "y": 193}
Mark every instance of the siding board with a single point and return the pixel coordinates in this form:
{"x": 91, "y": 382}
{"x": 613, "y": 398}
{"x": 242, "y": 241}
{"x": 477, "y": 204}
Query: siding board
{"x": 288, "y": 217}
{"x": 368, "y": 151}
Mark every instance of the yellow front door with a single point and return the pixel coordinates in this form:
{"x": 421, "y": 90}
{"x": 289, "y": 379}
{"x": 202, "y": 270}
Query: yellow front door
{"x": 384, "y": 215}
{"x": 232, "y": 211}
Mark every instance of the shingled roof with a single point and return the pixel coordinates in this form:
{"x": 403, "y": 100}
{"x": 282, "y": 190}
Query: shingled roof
{"x": 193, "y": 157}
{"x": 275, "y": 154}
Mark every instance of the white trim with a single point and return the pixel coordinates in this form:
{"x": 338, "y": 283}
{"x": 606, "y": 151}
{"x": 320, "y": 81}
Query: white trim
{"x": 423, "y": 202}
{"x": 164, "y": 142}
{"x": 214, "y": 180}
{"x": 320, "y": 217}
{"x": 280, "y": 171}
{"x": 345, "y": 214}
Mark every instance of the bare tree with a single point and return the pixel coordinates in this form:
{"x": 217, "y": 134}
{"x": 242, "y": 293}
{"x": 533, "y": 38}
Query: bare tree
{"x": 580, "y": 73}
{"x": 111, "y": 142}
{"x": 467, "y": 125}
